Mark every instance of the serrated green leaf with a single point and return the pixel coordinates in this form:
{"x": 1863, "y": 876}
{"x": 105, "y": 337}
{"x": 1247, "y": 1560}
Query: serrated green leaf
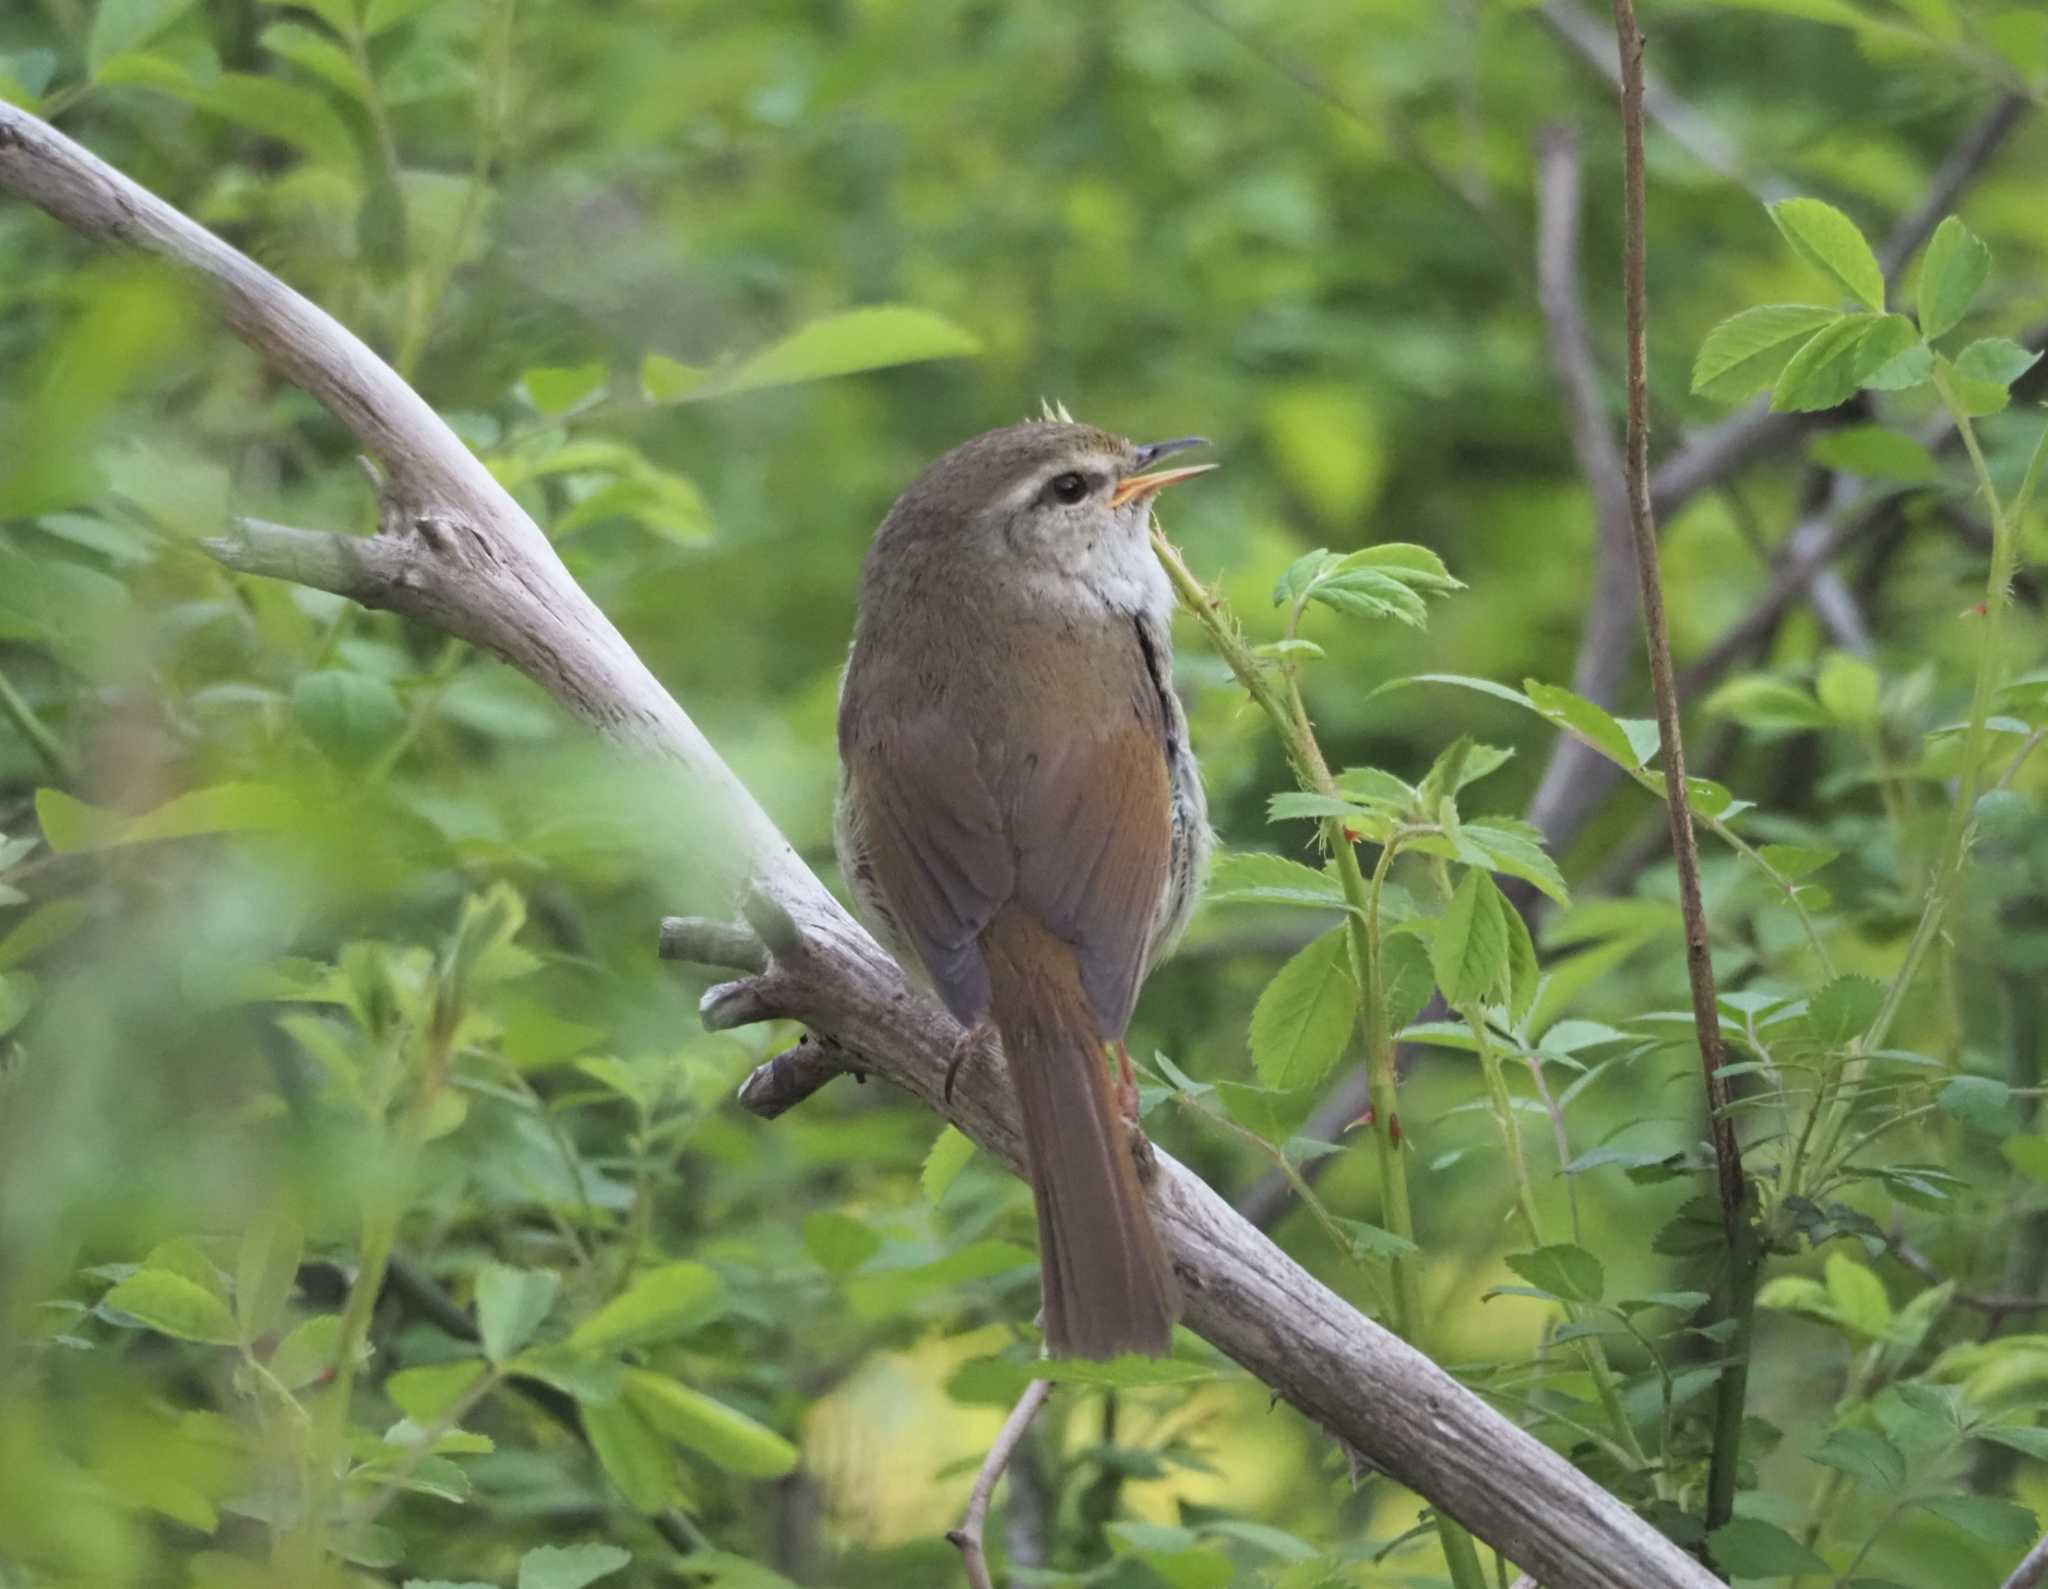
{"x": 1516, "y": 848}
{"x": 1370, "y": 593}
{"x": 1592, "y": 723}
{"x": 725, "y": 1435}
{"x": 1250, "y": 877}
{"x": 1858, "y": 1296}
{"x": 949, "y": 1154}
{"x": 1835, "y": 364}
{"x": 1470, "y": 951}
{"x": 1844, "y": 1009}
{"x": 173, "y": 1305}
{"x": 1822, "y": 235}
{"x": 1952, "y": 272}
{"x": 2027, "y": 1439}
{"x": 1866, "y": 1456}
{"x": 1303, "y": 1021}
{"x": 510, "y": 1305}
{"x": 1562, "y": 1270}
{"x": 1995, "y": 361}
{"x": 658, "y": 1306}
{"x": 425, "y": 1394}
{"x": 2004, "y": 1525}
{"x": 1749, "y": 1547}
{"x": 1980, "y": 1101}
{"x": 1743, "y": 354}
{"x": 569, "y": 1566}
{"x": 1902, "y": 371}
{"x": 307, "y": 1351}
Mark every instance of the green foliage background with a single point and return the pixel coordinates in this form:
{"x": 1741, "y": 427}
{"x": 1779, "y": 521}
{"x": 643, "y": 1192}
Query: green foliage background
{"x": 319, "y": 932}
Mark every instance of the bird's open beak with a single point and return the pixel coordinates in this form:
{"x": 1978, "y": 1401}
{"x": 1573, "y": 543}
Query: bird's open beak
{"x": 1137, "y": 487}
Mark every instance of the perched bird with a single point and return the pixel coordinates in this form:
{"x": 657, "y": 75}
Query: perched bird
{"x": 1021, "y": 819}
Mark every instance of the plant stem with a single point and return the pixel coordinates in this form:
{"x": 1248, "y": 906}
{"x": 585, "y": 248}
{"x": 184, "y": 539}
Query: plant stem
{"x": 1297, "y": 737}
{"x": 1735, "y": 1218}
{"x": 1997, "y": 596}
{"x": 62, "y": 764}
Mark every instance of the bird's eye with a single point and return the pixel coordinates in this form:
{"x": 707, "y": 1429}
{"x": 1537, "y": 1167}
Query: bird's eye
{"x": 1069, "y": 487}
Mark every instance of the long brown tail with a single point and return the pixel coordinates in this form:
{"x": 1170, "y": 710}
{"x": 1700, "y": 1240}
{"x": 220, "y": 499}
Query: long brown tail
{"x": 1108, "y": 1285}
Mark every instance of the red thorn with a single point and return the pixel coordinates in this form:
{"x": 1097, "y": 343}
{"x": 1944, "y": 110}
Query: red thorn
{"x": 1977, "y": 611}
{"x": 1394, "y": 1129}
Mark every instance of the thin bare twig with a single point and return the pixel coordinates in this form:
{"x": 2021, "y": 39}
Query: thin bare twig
{"x": 967, "y": 1537}
{"x": 2032, "y": 1572}
{"x": 1699, "y": 962}
{"x": 1976, "y": 1301}
{"x": 1561, "y": 804}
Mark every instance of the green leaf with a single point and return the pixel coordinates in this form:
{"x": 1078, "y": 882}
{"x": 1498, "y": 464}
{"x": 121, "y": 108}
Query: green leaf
{"x": 1902, "y": 371}
{"x": 267, "y": 1270}
{"x": 725, "y": 1435}
{"x": 1858, "y": 1296}
{"x": 2004, "y": 1525}
{"x": 2028, "y": 1155}
{"x": 1264, "y": 1111}
{"x": 510, "y": 1305}
{"x": 1996, "y": 361}
{"x": 1593, "y": 724}
{"x": 1876, "y": 452}
{"x": 1748, "y": 1547}
{"x": 122, "y": 25}
{"x": 349, "y": 715}
{"x": 1303, "y": 1020}
{"x": 1848, "y": 688}
{"x": 1128, "y": 1370}
{"x": 552, "y": 389}
{"x": 1756, "y": 700}
{"x": 1844, "y": 1009}
{"x": 844, "y": 344}
{"x": 1840, "y": 358}
{"x": 839, "y": 1243}
{"x": 1743, "y": 354}
{"x": 1251, "y": 877}
{"x": 307, "y": 1352}
{"x": 171, "y": 1304}
{"x": 658, "y": 1306}
{"x": 425, "y": 1394}
{"x": 71, "y": 826}
{"x": 1375, "y": 1242}
{"x": 1367, "y": 593}
{"x": 636, "y": 1458}
{"x": 1514, "y": 847}
{"x": 1410, "y": 979}
{"x": 1979, "y": 1101}
{"x": 1403, "y": 560}
{"x": 1470, "y": 953}
{"x": 1952, "y": 272}
{"x": 2026, "y": 1439}
{"x": 569, "y": 1566}
{"x": 664, "y": 380}
{"x": 1794, "y": 861}
{"x": 948, "y": 1157}
{"x": 1822, "y": 235}
{"x": 315, "y": 52}
{"x": 1569, "y": 1273}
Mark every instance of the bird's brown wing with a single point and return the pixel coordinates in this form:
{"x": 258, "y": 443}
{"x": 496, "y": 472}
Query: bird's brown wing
{"x": 932, "y": 841}
{"x": 1080, "y": 841}
{"x": 1091, "y": 829}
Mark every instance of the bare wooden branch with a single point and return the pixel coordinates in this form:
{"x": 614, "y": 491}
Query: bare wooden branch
{"x": 483, "y": 570}
{"x": 967, "y": 1537}
{"x": 2032, "y": 1572}
{"x": 1570, "y": 785}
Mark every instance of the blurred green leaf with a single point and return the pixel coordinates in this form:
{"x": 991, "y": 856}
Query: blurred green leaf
{"x": 1744, "y": 353}
{"x": 172, "y": 1305}
{"x": 1749, "y": 1547}
{"x": 724, "y": 1435}
{"x": 1566, "y": 1272}
{"x": 1952, "y": 273}
{"x": 122, "y": 25}
{"x": 658, "y": 1305}
{"x": 1822, "y": 235}
{"x": 510, "y": 1305}
{"x": 569, "y": 1566}
{"x": 845, "y": 344}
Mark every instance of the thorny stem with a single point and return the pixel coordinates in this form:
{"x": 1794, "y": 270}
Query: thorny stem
{"x": 1735, "y": 1215}
{"x": 1297, "y": 736}
{"x": 62, "y": 764}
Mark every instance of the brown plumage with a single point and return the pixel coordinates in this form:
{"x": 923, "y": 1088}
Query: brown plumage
{"x": 1020, "y": 817}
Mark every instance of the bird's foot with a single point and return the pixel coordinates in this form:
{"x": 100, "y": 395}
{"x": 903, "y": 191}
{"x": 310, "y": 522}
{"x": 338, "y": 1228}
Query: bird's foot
{"x": 972, "y": 1041}
{"x": 1126, "y": 1091}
